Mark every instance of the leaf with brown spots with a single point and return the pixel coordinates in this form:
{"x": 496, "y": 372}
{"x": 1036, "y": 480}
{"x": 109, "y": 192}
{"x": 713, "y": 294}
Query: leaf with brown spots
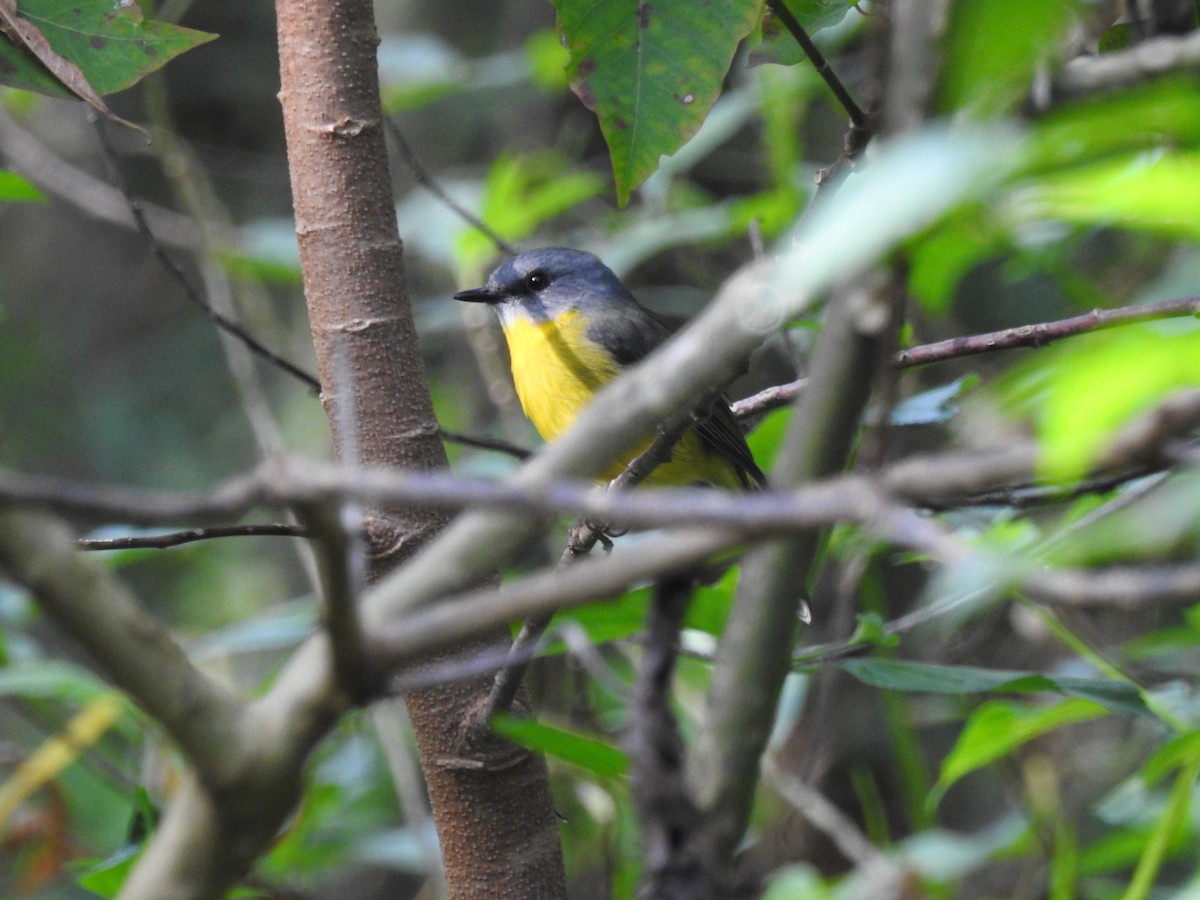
{"x": 650, "y": 70}
{"x": 108, "y": 45}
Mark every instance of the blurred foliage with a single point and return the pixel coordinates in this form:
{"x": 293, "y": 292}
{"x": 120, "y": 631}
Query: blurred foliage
{"x": 993, "y": 749}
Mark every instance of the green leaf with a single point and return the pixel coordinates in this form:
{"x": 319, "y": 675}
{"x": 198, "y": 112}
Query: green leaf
{"x": 1159, "y": 193}
{"x": 918, "y": 677}
{"x": 650, "y": 71}
{"x": 601, "y": 759}
{"x": 548, "y": 60}
{"x": 60, "y": 680}
{"x": 993, "y": 48}
{"x": 520, "y": 194}
{"x": 1151, "y": 116}
{"x": 773, "y": 43}
{"x": 110, "y": 42}
{"x": 15, "y": 189}
{"x": 106, "y": 878}
{"x": 998, "y": 728}
{"x": 622, "y": 617}
{"x": 1083, "y": 393}
{"x": 945, "y": 255}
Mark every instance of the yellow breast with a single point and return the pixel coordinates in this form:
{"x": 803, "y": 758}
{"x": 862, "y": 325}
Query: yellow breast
{"x": 556, "y": 370}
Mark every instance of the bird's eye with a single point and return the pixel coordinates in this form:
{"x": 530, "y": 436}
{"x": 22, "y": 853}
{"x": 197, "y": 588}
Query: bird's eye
{"x": 537, "y": 280}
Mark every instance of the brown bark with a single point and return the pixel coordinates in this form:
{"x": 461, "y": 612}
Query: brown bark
{"x": 491, "y": 800}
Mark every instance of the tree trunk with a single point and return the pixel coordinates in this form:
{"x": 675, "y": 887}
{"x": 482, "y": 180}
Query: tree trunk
{"x": 491, "y": 800}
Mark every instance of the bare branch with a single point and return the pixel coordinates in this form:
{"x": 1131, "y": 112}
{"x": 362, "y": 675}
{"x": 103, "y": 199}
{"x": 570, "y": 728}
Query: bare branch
{"x": 191, "y": 535}
{"x": 1143, "y": 62}
{"x": 41, "y": 165}
{"x": 1123, "y": 587}
{"x": 1043, "y": 333}
{"x": 1036, "y": 335}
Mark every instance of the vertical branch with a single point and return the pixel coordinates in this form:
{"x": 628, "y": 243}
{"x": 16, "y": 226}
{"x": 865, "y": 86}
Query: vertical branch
{"x": 673, "y": 856}
{"x": 754, "y": 656}
{"x": 491, "y": 802}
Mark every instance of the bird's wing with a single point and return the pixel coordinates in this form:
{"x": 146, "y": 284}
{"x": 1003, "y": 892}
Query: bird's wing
{"x": 721, "y": 431}
{"x": 630, "y": 335}
{"x": 633, "y": 336}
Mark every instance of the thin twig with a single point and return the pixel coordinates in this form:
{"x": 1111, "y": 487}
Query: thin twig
{"x": 422, "y": 177}
{"x": 1035, "y": 335}
{"x": 1043, "y": 333}
{"x": 485, "y": 443}
{"x": 190, "y": 535}
{"x": 223, "y": 322}
{"x": 820, "y": 63}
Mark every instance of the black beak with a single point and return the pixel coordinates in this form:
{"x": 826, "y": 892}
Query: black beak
{"x": 478, "y": 295}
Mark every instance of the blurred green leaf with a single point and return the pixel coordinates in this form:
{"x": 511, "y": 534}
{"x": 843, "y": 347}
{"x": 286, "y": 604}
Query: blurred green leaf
{"x": 622, "y": 617}
{"x": 797, "y": 882}
{"x": 1084, "y": 392}
{"x": 1178, "y": 752}
{"x": 1155, "y": 192}
{"x": 595, "y": 756}
{"x": 993, "y": 48}
{"x": 111, "y": 44}
{"x": 918, "y": 677}
{"x": 548, "y": 60}
{"x": 1163, "y": 114}
{"x": 51, "y": 678}
{"x": 15, "y": 189}
{"x": 940, "y": 259}
{"x": 768, "y": 435}
{"x": 520, "y": 194}
{"x": 998, "y": 728}
{"x": 650, "y": 72}
{"x": 106, "y": 878}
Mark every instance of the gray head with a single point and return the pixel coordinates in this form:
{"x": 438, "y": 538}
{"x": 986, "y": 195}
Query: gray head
{"x": 543, "y": 284}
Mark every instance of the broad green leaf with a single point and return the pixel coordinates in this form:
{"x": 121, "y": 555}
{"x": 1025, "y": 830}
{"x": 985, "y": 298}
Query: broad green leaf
{"x": 650, "y": 71}
{"x": 993, "y": 48}
{"x": 918, "y": 677}
{"x": 601, "y": 759}
{"x": 1153, "y": 192}
{"x": 998, "y": 728}
{"x": 14, "y": 188}
{"x": 110, "y": 42}
{"x": 1083, "y": 393}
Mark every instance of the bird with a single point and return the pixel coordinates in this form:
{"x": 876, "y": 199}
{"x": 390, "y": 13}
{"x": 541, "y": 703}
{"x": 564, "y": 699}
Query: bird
{"x": 571, "y": 327}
